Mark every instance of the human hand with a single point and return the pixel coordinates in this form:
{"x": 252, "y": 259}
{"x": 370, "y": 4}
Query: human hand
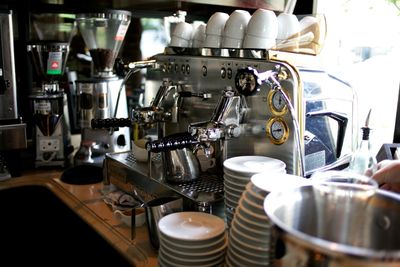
{"x": 387, "y": 175}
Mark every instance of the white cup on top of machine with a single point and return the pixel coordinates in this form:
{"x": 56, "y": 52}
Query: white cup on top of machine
{"x": 215, "y": 29}
{"x": 288, "y": 31}
{"x": 262, "y": 30}
{"x": 235, "y": 29}
{"x": 182, "y": 35}
{"x": 199, "y": 36}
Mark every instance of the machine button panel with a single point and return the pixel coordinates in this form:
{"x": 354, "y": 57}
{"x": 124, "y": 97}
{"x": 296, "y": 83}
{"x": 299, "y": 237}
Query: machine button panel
{"x": 223, "y": 73}
{"x": 204, "y": 71}
{"x": 229, "y": 73}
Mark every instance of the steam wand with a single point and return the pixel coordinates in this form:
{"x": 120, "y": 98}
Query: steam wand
{"x": 248, "y": 81}
{"x": 132, "y": 68}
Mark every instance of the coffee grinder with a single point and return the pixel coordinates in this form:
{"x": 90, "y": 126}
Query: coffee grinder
{"x": 103, "y": 95}
{"x": 51, "y": 134}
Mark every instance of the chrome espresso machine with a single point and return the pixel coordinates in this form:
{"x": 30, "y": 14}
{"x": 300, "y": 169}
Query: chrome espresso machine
{"x": 207, "y": 105}
{"x": 103, "y": 95}
{"x": 12, "y": 128}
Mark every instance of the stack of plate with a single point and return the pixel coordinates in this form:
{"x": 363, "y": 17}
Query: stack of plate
{"x": 191, "y": 239}
{"x": 250, "y": 231}
{"x": 237, "y": 173}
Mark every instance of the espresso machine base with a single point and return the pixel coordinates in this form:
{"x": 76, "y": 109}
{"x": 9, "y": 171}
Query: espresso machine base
{"x": 205, "y": 194}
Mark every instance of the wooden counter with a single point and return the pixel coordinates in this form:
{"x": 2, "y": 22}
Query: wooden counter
{"x": 87, "y": 202}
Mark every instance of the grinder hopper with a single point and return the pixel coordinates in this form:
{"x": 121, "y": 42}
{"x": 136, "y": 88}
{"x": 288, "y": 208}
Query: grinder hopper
{"x": 49, "y": 59}
{"x": 103, "y": 33}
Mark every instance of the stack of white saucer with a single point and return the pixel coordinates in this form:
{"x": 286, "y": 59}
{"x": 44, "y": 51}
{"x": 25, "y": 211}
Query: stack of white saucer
{"x": 192, "y": 239}
{"x": 237, "y": 173}
{"x": 250, "y": 232}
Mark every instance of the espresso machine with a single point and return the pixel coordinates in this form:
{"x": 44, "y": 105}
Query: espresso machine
{"x": 51, "y": 132}
{"x": 208, "y": 105}
{"x": 12, "y": 129}
{"x": 103, "y": 95}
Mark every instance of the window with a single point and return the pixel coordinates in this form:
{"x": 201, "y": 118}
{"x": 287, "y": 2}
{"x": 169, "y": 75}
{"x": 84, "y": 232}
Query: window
{"x": 362, "y": 47}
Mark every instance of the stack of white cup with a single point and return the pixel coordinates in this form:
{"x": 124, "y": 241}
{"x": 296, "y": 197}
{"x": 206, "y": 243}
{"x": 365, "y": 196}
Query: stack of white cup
{"x": 262, "y": 30}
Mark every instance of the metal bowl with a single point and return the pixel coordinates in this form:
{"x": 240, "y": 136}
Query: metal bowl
{"x": 342, "y": 227}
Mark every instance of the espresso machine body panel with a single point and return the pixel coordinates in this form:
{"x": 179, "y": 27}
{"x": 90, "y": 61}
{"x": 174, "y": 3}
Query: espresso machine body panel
{"x": 211, "y": 75}
{"x": 12, "y": 130}
{"x": 196, "y": 92}
{"x": 8, "y": 98}
{"x": 316, "y": 96}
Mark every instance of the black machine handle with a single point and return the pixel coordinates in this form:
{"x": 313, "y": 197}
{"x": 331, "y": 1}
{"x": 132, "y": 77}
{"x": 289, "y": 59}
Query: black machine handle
{"x": 111, "y": 123}
{"x": 171, "y": 142}
{"x": 342, "y": 123}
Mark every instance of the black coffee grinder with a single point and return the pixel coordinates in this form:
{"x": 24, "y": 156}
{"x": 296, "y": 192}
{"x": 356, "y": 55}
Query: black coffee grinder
{"x": 51, "y": 133}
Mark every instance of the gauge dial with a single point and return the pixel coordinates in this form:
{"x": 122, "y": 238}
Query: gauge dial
{"x": 277, "y": 130}
{"x": 277, "y": 102}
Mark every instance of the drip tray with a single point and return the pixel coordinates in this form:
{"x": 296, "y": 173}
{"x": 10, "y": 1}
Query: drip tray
{"x": 208, "y": 189}
{"x": 82, "y": 174}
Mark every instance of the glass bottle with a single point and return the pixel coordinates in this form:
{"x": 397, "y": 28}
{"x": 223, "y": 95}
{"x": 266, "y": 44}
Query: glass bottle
{"x": 363, "y": 159}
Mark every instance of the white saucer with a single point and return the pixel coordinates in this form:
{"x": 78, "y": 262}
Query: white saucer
{"x": 269, "y": 182}
{"x": 208, "y": 247}
{"x": 253, "y": 164}
{"x": 193, "y": 226}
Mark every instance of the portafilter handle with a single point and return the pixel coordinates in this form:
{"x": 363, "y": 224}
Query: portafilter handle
{"x": 172, "y": 142}
{"x": 111, "y": 123}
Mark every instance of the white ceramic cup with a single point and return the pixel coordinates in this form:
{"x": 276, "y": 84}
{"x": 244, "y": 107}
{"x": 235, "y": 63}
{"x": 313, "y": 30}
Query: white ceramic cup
{"x": 231, "y": 42}
{"x": 125, "y": 217}
{"x": 139, "y": 149}
{"x": 288, "y": 26}
{"x": 199, "y": 36}
{"x": 254, "y": 42}
{"x": 263, "y": 23}
{"x": 216, "y": 23}
{"x": 236, "y": 25}
{"x": 213, "y": 41}
{"x": 179, "y": 42}
{"x": 183, "y": 30}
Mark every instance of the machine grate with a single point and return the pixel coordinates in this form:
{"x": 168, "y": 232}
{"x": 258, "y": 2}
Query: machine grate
{"x": 208, "y": 188}
{"x": 208, "y": 184}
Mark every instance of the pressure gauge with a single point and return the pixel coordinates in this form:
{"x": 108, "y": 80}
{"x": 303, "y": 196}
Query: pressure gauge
{"x": 277, "y": 130}
{"x": 277, "y": 103}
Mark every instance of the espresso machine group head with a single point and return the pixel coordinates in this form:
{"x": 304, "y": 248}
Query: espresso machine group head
{"x": 103, "y": 95}
{"x": 49, "y": 104}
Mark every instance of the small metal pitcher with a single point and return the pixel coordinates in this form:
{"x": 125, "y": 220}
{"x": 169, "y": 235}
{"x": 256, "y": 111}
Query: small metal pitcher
{"x": 181, "y": 165}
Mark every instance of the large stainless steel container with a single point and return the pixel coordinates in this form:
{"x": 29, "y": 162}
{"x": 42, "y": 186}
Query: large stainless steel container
{"x": 313, "y": 227}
